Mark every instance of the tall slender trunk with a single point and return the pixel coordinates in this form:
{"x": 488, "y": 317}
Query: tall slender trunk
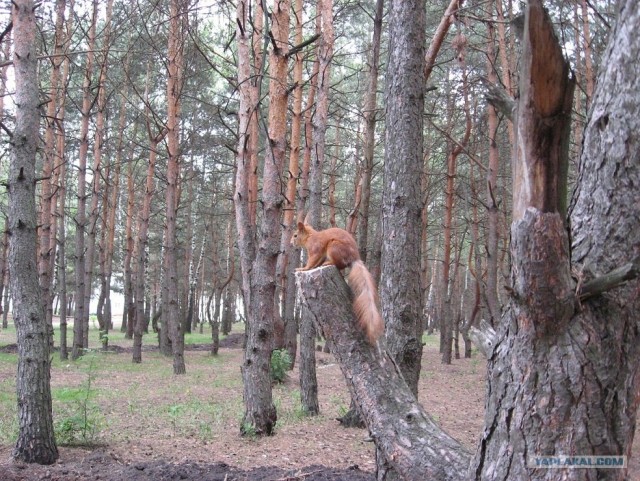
{"x": 44, "y": 262}
{"x": 106, "y": 261}
{"x": 320, "y": 118}
{"x": 589, "y": 73}
{"x": 448, "y": 281}
{"x": 79, "y": 316}
{"x": 96, "y": 184}
{"x": 5, "y": 236}
{"x": 317, "y": 143}
{"x": 62, "y": 270}
{"x": 370, "y": 120}
{"x": 259, "y": 267}
{"x": 491, "y": 289}
{"x": 140, "y": 248}
{"x": 60, "y": 211}
{"x": 308, "y": 378}
{"x": 288, "y": 251}
{"x": 128, "y": 305}
{"x": 188, "y": 279}
{"x": 171, "y": 315}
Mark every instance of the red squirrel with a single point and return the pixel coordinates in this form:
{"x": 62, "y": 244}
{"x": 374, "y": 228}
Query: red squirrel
{"x": 337, "y": 247}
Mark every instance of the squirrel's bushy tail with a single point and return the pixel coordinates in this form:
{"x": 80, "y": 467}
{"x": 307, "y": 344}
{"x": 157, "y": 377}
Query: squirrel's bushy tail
{"x": 365, "y": 301}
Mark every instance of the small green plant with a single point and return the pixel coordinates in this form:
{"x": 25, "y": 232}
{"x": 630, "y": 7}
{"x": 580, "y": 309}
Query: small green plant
{"x": 175, "y": 410}
{"x": 248, "y": 430}
{"x": 80, "y": 419}
{"x": 280, "y": 364}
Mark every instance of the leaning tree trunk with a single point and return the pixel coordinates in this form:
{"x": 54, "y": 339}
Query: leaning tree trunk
{"x": 36, "y": 442}
{"x": 563, "y": 375}
{"x": 408, "y": 439}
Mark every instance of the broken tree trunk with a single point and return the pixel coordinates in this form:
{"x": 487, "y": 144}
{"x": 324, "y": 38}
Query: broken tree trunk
{"x": 412, "y": 443}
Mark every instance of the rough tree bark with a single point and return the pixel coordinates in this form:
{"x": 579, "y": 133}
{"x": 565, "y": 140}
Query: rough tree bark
{"x": 259, "y": 245}
{"x": 401, "y": 209}
{"x": 406, "y": 436}
{"x": 563, "y": 374}
{"x": 36, "y": 442}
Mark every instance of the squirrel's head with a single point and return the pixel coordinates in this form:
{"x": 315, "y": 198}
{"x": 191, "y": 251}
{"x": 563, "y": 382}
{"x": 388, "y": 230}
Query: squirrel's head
{"x": 300, "y": 235}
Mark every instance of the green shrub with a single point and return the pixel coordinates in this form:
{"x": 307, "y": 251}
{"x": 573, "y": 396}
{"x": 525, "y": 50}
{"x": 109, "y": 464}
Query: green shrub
{"x": 280, "y": 364}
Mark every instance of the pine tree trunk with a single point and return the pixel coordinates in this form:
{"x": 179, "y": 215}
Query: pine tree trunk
{"x": 135, "y": 321}
{"x": 171, "y": 314}
{"x": 97, "y": 189}
{"x": 491, "y": 290}
{"x": 61, "y": 234}
{"x": 59, "y": 207}
{"x": 36, "y": 442}
{"x": 45, "y": 263}
{"x": 127, "y": 321}
{"x": 400, "y": 270}
{"x": 288, "y": 257}
{"x": 5, "y": 233}
{"x": 79, "y": 317}
{"x": 370, "y": 121}
{"x": 407, "y": 438}
{"x": 259, "y": 251}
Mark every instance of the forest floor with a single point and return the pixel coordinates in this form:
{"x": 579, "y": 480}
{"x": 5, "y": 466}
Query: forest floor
{"x": 116, "y": 420}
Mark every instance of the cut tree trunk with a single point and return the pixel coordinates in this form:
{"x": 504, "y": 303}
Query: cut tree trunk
{"x": 405, "y": 435}
{"x": 563, "y": 374}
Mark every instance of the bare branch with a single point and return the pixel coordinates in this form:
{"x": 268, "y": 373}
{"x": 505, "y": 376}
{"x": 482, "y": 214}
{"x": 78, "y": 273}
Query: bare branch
{"x": 611, "y": 280}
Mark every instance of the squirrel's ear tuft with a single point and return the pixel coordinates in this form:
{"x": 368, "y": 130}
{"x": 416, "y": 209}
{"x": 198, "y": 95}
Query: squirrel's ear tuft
{"x": 300, "y": 226}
